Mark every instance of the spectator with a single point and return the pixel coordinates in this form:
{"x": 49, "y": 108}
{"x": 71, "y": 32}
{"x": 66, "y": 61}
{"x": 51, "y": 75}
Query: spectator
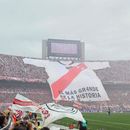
{"x": 3, "y": 120}
{"x": 71, "y": 126}
{"x": 109, "y": 111}
{"x": 82, "y": 125}
{"x": 22, "y": 125}
{"x": 45, "y": 128}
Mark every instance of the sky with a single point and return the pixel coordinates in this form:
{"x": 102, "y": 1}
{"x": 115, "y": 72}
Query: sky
{"x": 104, "y": 26}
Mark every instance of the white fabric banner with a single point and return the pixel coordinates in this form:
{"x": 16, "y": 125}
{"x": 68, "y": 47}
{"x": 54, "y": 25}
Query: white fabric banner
{"x": 79, "y": 83}
{"x": 24, "y": 104}
{"x": 58, "y": 112}
{"x": 50, "y": 112}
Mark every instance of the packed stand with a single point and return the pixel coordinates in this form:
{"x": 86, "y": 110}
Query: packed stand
{"x": 31, "y": 81}
{"x": 26, "y": 121}
{"x": 13, "y": 68}
{"x": 37, "y": 92}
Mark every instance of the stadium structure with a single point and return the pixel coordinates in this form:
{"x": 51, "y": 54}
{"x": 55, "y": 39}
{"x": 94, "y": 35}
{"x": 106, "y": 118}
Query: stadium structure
{"x": 59, "y": 49}
{"x": 31, "y": 81}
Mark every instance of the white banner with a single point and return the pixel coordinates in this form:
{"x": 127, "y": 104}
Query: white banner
{"x": 79, "y": 83}
{"x": 50, "y": 112}
{"x": 58, "y": 112}
{"x": 24, "y": 104}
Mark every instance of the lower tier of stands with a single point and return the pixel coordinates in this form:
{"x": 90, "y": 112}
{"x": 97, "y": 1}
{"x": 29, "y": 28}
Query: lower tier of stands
{"x": 119, "y": 95}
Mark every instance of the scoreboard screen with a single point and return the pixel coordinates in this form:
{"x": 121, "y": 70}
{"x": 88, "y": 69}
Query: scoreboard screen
{"x": 64, "y": 48}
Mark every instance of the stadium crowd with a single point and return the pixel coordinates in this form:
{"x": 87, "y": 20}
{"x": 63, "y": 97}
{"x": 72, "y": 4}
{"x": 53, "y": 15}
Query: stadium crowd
{"x": 27, "y": 121}
{"x": 37, "y": 93}
{"x": 13, "y": 68}
{"x": 31, "y": 81}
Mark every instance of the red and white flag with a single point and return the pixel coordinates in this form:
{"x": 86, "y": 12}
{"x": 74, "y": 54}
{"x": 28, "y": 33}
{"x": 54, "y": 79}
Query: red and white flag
{"x": 17, "y": 114}
{"x": 52, "y": 111}
{"x": 24, "y": 104}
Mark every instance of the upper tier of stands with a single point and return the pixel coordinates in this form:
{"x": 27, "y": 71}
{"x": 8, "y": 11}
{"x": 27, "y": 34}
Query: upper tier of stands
{"x": 13, "y": 68}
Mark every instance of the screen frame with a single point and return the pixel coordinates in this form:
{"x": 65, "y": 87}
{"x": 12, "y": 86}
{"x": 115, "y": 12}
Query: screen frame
{"x": 52, "y": 54}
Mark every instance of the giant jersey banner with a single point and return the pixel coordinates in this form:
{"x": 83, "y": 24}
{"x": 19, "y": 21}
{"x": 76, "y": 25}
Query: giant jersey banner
{"x": 78, "y": 83}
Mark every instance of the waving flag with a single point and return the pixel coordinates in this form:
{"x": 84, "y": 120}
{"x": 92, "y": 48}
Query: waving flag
{"x": 24, "y": 104}
{"x": 58, "y": 112}
{"x": 79, "y": 83}
{"x": 16, "y": 115}
{"x": 52, "y": 111}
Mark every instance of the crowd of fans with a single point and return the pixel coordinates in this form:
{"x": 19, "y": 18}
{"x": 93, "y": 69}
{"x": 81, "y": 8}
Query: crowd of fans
{"x": 31, "y": 81}
{"x": 104, "y": 108}
{"x": 13, "y": 68}
{"x": 38, "y": 92}
{"x": 26, "y": 121}
{"x": 119, "y": 72}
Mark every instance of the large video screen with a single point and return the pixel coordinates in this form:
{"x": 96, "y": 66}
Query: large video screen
{"x": 64, "y": 48}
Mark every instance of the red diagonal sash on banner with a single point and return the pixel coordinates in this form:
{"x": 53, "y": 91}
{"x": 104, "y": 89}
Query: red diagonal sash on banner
{"x": 65, "y": 80}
